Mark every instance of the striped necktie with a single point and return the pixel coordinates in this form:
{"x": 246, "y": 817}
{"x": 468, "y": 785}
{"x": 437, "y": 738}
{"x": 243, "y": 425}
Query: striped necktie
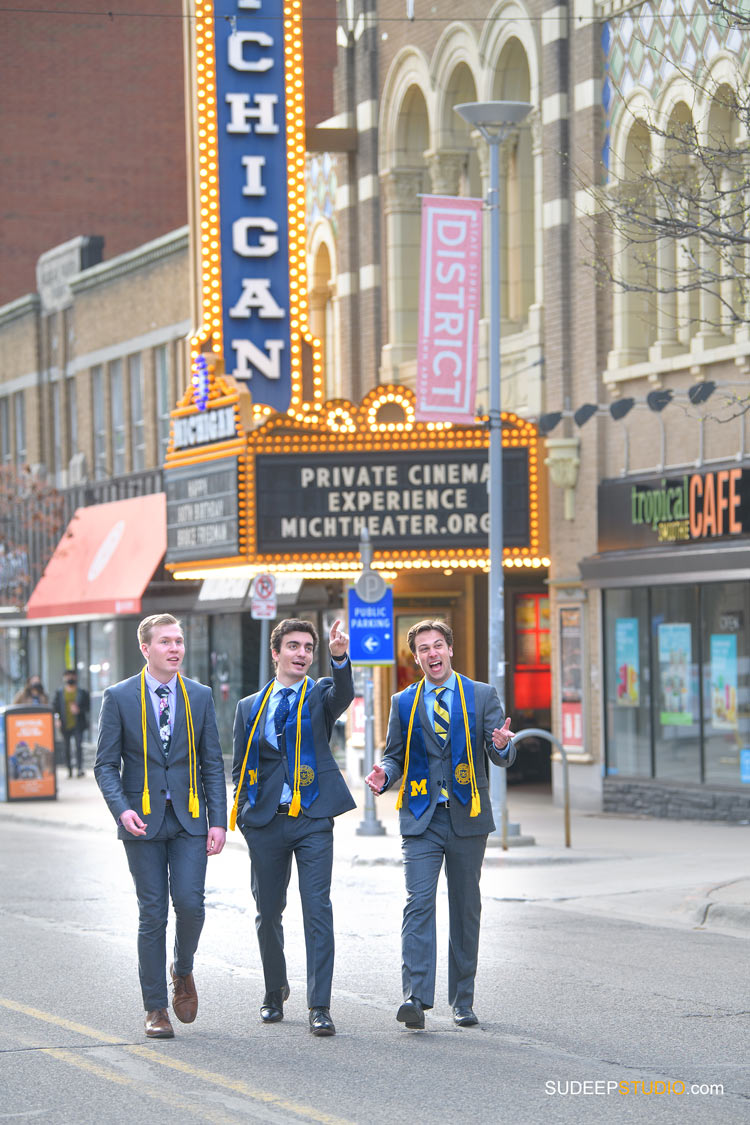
{"x": 442, "y": 719}
{"x": 441, "y": 722}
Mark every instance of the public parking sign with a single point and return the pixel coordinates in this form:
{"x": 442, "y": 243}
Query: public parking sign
{"x": 371, "y": 639}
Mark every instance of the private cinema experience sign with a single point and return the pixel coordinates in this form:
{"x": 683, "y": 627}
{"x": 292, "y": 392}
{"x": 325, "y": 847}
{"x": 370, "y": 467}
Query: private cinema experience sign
{"x": 251, "y": 137}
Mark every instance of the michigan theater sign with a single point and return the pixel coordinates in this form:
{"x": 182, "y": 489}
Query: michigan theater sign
{"x": 251, "y": 172}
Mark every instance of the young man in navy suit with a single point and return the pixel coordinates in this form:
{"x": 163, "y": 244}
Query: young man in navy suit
{"x": 160, "y": 769}
{"x": 288, "y": 789}
{"x": 439, "y": 732}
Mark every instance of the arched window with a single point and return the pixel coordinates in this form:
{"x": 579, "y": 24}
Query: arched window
{"x": 634, "y": 254}
{"x": 322, "y": 318}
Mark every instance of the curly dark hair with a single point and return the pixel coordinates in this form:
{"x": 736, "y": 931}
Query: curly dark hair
{"x": 292, "y": 625}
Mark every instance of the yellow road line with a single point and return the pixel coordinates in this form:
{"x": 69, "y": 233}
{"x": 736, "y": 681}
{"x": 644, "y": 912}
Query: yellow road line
{"x": 309, "y": 1113}
{"x": 58, "y": 1021}
{"x": 173, "y": 1100}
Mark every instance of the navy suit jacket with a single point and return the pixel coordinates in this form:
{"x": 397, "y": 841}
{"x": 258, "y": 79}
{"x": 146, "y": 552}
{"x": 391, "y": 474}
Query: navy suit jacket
{"x": 327, "y": 700}
{"x": 119, "y": 759}
{"x": 489, "y": 715}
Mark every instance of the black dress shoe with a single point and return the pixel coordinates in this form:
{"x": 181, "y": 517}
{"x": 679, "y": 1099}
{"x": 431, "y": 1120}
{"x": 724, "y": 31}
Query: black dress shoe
{"x": 272, "y": 1008}
{"x": 411, "y": 1013}
{"x": 321, "y": 1022}
{"x": 463, "y": 1016}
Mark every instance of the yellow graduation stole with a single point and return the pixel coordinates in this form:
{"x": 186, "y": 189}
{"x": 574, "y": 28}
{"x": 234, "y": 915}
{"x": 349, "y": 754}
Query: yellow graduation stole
{"x": 193, "y": 803}
{"x": 461, "y": 752}
{"x": 296, "y": 771}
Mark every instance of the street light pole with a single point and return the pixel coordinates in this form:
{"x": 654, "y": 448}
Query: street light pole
{"x": 494, "y": 120}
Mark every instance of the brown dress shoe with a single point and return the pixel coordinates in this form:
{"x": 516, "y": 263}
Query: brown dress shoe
{"x": 158, "y": 1025}
{"x": 185, "y": 997}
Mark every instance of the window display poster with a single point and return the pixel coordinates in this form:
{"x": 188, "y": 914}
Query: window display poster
{"x": 724, "y": 681}
{"x": 571, "y": 649}
{"x": 30, "y": 754}
{"x": 675, "y": 652}
{"x": 627, "y": 666}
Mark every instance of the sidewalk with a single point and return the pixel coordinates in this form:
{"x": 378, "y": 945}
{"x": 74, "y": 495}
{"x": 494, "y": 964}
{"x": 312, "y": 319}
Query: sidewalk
{"x": 667, "y": 872}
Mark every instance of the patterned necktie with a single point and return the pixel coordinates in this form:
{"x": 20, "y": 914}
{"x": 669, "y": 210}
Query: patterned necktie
{"x": 164, "y": 728}
{"x": 441, "y": 722}
{"x": 281, "y": 715}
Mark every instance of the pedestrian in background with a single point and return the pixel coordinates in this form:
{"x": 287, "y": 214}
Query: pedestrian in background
{"x": 438, "y": 733}
{"x": 32, "y": 693}
{"x": 160, "y": 769}
{"x": 288, "y": 789}
{"x": 71, "y": 704}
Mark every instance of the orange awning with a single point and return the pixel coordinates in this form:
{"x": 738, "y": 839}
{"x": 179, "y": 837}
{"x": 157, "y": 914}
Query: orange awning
{"x": 105, "y": 559}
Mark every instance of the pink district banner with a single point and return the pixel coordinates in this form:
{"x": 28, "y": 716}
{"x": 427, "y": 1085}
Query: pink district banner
{"x": 449, "y": 305}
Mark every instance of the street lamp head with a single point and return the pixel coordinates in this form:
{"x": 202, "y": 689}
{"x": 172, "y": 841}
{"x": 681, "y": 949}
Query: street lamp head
{"x": 493, "y": 119}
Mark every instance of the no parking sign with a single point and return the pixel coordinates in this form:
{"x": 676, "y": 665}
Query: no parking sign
{"x": 263, "y": 603}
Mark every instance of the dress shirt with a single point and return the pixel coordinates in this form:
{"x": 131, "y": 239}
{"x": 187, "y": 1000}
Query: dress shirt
{"x": 273, "y": 702}
{"x": 430, "y": 691}
{"x": 152, "y": 686}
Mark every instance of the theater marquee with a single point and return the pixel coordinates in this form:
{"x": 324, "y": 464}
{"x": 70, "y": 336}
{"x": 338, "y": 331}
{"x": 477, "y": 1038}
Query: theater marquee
{"x": 307, "y": 492}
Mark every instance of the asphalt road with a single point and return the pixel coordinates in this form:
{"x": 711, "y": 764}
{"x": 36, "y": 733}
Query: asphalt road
{"x": 584, "y": 1017}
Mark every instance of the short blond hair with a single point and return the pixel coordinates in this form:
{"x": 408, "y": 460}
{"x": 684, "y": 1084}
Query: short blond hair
{"x": 147, "y": 626}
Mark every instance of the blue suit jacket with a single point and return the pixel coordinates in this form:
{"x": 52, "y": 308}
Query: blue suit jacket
{"x": 119, "y": 759}
{"x": 328, "y": 699}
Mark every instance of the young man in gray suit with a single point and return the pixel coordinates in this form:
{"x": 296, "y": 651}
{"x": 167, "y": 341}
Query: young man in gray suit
{"x": 288, "y": 789}
{"x": 160, "y": 769}
{"x": 438, "y": 733}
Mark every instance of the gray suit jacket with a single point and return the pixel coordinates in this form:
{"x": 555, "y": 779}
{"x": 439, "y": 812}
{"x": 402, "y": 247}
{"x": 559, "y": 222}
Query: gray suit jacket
{"x": 489, "y": 715}
{"x": 119, "y": 759}
{"x": 328, "y": 699}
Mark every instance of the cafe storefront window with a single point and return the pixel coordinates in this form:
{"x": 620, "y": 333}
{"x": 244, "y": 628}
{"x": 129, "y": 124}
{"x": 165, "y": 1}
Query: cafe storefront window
{"x": 628, "y": 699}
{"x": 678, "y": 683}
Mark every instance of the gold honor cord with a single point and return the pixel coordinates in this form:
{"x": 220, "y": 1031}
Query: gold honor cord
{"x": 241, "y": 781}
{"x": 193, "y": 803}
{"x": 399, "y": 799}
{"x": 296, "y": 796}
{"x": 146, "y": 799}
{"x": 476, "y": 803}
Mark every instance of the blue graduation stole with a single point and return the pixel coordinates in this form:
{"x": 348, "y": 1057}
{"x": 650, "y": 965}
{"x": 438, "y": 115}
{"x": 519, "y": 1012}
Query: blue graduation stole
{"x": 461, "y": 754}
{"x": 416, "y": 784}
{"x": 300, "y": 748}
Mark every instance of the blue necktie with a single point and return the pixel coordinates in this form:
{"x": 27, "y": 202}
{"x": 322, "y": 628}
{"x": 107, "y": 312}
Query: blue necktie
{"x": 164, "y": 728}
{"x": 281, "y": 715}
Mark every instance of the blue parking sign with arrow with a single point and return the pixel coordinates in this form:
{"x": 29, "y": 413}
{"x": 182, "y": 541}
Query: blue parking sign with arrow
{"x": 371, "y": 639}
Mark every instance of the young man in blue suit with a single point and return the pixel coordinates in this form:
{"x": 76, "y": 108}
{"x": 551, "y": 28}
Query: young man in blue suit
{"x": 288, "y": 789}
{"x": 160, "y": 769}
{"x": 438, "y": 733}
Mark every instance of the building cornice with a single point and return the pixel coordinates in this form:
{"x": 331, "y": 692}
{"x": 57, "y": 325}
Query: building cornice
{"x": 22, "y": 306}
{"x": 176, "y": 242}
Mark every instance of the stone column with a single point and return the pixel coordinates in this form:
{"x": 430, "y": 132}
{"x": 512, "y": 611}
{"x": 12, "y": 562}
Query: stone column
{"x": 401, "y": 191}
